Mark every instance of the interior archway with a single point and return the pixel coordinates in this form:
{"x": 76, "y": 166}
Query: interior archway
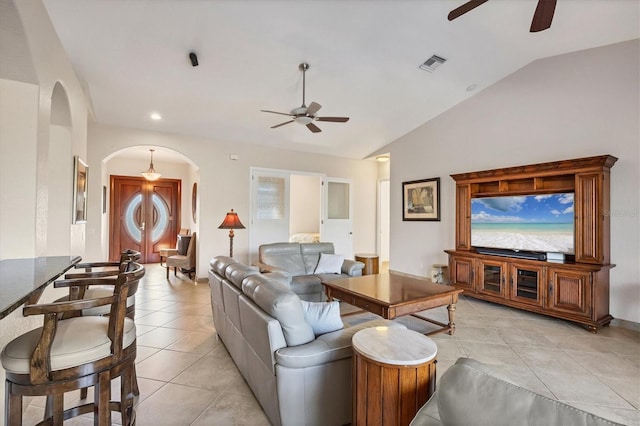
{"x": 60, "y": 174}
{"x": 171, "y": 164}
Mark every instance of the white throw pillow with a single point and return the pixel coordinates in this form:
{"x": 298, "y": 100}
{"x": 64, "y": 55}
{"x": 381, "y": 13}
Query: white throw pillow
{"x": 329, "y": 264}
{"x": 324, "y": 317}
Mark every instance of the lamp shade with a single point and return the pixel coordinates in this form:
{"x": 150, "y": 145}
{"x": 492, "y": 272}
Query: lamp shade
{"x": 231, "y": 221}
{"x": 151, "y": 174}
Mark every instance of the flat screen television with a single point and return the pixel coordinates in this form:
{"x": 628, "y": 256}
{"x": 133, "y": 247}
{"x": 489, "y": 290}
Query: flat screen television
{"x": 538, "y": 223}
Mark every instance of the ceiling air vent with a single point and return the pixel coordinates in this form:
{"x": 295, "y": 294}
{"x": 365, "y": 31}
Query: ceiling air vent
{"x": 432, "y": 63}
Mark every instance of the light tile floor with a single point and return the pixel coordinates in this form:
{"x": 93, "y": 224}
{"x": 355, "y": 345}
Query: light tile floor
{"x": 186, "y": 376}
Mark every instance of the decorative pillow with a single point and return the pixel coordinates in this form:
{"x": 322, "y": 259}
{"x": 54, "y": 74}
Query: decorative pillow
{"x": 329, "y": 264}
{"x": 324, "y": 317}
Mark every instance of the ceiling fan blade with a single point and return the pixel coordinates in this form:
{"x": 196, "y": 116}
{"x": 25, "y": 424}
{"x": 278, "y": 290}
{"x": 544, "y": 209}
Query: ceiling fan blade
{"x": 334, "y": 119}
{"x": 282, "y": 124}
{"x": 276, "y": 112}
{"x": 313, "y": 128}
{"x": 470, "y": 5}
{"x": 313, "y": 108}
{"x": 543, "y": 16}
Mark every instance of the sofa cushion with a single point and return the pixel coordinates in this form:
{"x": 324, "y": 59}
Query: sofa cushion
{"x": 305, "y": 284}
{"x": 219, "y": 264}
{"x": 328, "y": 347}
{"x": 286, "y": 256}
{"x": 329, "y": 264}
{"x": 282, "y": 304}
{"x": 311, "y": 254}
{"x": 324, "y": 317}
{"x": 488, "y": 400}
{"x": 237, "y": 272}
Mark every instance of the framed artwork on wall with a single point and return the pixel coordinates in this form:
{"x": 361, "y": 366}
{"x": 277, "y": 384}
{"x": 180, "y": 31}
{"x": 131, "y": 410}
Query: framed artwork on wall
{"x": 80, "y": 176}
{"x": 104, "y": 199}
{"x": 421, "y": 199}
{"x": 194, "y": 201}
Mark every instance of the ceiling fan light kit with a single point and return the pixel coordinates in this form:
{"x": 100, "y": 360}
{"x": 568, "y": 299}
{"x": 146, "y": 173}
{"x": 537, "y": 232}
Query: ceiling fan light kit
{"x": 542, "y": 17}
{"x": 306, "y": 114}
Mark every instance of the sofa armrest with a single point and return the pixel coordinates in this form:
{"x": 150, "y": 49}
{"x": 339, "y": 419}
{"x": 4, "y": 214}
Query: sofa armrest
{"x": 327, "y": 347}
{"x": 352, "y": 268}
{"x": 264, "y": 268}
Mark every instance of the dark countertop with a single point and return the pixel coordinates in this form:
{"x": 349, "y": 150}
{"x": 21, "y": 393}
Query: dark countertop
{"x": 21, "y": 278}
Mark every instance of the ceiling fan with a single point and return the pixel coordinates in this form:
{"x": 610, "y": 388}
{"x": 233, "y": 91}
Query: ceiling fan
{"x": 306, "y": 114}
{"x": 541, "y": 18}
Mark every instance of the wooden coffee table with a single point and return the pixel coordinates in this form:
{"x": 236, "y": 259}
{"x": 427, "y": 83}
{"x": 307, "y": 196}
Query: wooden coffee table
{"x": 392, "y": 295}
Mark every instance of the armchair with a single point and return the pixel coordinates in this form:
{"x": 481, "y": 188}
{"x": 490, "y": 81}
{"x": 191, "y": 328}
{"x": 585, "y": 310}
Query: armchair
{"x": 166, "y": 252}
{"x": 187, "y": 261}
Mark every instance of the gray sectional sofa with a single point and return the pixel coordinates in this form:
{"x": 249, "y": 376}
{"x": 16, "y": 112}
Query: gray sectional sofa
{"x": 299, "y": 261}
{"x": 297, "y": 377}
{"x": 469, "y": 393}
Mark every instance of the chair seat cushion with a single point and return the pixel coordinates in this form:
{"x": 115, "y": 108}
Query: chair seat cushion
{"x": 77, "y": 341}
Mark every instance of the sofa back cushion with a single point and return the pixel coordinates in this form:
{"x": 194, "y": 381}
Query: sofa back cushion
{"x": 219, "y": 264}
{"x": 282, "y": 304}
{"x": 237, "y": 272}
{"x": 311, "y": 254}
{"x": 285, "y": 256}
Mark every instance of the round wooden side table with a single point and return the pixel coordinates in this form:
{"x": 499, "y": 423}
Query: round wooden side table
{"x": 394, "y": 375}
{"x": 370, "y": 261}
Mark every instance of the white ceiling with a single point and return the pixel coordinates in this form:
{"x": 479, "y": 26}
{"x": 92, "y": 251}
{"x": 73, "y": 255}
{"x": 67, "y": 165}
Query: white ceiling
{"x": 363, "y": 56}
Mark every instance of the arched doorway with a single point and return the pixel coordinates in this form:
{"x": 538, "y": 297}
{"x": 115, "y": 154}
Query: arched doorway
{"x": 146, "y": 215}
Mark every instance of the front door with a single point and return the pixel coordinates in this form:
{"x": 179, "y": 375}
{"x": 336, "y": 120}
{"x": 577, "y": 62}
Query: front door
{"x": 145, "y": 216}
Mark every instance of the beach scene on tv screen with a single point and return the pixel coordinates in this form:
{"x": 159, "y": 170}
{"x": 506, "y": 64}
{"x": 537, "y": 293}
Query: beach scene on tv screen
{"x": 541, "y": 223}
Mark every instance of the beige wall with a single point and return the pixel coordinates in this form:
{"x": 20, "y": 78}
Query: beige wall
{"x": 225, "y": 184}
{"x": 31, "y": 175}
{"x": 575, "y": 105}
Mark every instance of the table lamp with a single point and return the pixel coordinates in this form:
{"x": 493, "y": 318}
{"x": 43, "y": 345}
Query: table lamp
{"x": 231, "y": 222}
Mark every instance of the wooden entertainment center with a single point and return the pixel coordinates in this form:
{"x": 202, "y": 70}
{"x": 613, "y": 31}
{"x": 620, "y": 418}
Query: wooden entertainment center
{"x": 576, "y": 289}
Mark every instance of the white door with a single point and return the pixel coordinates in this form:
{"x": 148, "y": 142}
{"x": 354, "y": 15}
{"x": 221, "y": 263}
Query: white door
{"x": 336, "y": 215}
{"x": 269, "y": 209}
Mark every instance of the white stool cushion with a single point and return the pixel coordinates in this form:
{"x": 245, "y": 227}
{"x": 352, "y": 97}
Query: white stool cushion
{"x": 78, "y": 341}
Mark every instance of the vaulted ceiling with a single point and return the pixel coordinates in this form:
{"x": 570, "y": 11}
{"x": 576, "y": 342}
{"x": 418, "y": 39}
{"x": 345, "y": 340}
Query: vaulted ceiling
{"x": 364, "y": 58}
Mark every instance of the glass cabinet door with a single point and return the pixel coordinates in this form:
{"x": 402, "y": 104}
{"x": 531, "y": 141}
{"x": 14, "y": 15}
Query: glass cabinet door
{"x": 527, "y": 284}
{"x": 492, "y": 278}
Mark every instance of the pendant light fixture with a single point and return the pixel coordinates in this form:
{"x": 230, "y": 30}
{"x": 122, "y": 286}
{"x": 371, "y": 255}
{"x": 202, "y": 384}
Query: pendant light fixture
{"x": 151, "y": 173}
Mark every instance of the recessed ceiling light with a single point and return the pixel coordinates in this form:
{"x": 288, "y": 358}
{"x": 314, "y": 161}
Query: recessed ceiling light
{"x": 156, "y": 116}
{"x": 382, "y": 158}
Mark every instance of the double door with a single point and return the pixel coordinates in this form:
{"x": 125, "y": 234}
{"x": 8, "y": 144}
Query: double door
{"x": 144, "y": 216}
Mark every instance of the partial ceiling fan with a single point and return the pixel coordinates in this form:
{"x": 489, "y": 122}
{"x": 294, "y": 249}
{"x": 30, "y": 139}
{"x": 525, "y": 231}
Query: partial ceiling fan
{"x": 541, "y": 18}
{"x": 306, "y": 114}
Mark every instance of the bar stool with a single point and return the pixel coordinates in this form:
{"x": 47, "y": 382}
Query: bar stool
{"x": 69, "y": 354}
{"x": 106, "y": 269}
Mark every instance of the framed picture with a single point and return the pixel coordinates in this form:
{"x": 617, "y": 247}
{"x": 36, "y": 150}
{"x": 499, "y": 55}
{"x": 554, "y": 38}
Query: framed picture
{"x": 421, "y": 199}
{"x": 104, "y": 199}
{"x": 194, "y": 201}
{"x": 80, "y": 176}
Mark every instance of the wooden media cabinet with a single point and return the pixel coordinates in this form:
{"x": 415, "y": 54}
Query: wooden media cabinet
{"x": 576, "y": 289}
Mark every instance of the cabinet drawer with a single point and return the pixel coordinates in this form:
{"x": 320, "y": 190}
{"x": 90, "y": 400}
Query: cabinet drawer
{"x": 368, "y": 306}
